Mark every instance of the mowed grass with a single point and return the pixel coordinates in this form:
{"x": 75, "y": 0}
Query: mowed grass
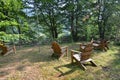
{"x": 36, "y": 63}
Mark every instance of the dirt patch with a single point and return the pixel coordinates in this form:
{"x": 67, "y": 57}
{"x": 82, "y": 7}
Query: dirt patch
{"x": 27, "y": 73}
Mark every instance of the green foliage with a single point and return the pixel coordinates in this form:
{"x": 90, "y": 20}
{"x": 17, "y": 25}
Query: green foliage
{"x": 9, "y": 9}
{"x": 47, "y": 1}
{"x": 8, "y": 23}
{"x": 53, "y": 17}
{"x": 44, "y": 67}
{"x": 12, "y": 21}
{"x": 2, "y": 16}
{"x": 10, "y": 38}
{"x": 14, "y": 38}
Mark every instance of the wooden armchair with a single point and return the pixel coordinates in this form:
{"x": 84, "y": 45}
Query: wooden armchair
{"x": 83, "y": 57}
{"x": 59, "y": 51}
{"x": 101, "y": 44}
{"x": 83, "y": 46}
{"x": 5, "y": 49}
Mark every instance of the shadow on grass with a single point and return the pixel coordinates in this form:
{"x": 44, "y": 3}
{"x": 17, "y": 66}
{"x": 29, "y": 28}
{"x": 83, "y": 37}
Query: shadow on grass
{"x": 112, "y": 68}
{"x": 23, "y": 59}
{"x": 70, "y": 69}
{"x": 108, "y": 70}
{"x": 27, "y": 54}
{"x": 114, "y": 73}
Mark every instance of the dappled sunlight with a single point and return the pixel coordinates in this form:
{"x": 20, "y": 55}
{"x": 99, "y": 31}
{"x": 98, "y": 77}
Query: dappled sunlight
{"x": 30, "y": 72}
{"x": 107, "y": 64}
{"x": 38, "y": 64}
{"x": 32, "y": 26}
{"x": 104, "y": 57}
{"x": 19, "y": 62}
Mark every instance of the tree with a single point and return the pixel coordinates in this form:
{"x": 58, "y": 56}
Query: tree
{"x": 106, "y": 9}
{"x": 71, "y": 12}
{"x": 11, "y": 15}
{"x": 46, "y": 15}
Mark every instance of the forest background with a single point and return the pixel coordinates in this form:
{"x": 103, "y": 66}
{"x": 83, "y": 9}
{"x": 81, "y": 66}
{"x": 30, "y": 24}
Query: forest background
{"x": 42, "y": 21}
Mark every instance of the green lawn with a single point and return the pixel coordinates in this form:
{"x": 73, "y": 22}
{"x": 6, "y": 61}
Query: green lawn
{"x": 31, "y": 64}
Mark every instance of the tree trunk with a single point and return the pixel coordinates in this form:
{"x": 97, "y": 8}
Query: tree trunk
{"x": 100, "y": 21}
{"x": 3, "y": 29}
{"x": 101, "y": 31}
{"x": 19, "y": 30}
{"x": 55, "y": 33}
{"x": 76, "y": 28}
{"x": 52, "y": 26}
{"x": 73, "y": 27}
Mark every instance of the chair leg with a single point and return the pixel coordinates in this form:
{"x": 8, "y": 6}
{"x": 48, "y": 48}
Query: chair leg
{"x": 71, "y": 59}
{"x": 61, "y": 55}
{"x": 103, "y": 48}
{"x": 14, "y": 49}
{"x": 67, "y": 51}
{"x": 107, "y": 47}
{"x": 83, "y": 67}
{"x": 93, "y": 63}
{"x": 71, "y": 56}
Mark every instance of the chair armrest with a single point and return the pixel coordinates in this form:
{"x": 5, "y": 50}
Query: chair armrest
{"x": 108, "y": 42}
{"x": 74, "y": 52}
{"x": 96, "y": 44}
{"x": 75, "y": 55}
{"x": 64, "y": 47}
{"x": 64, "y": 50}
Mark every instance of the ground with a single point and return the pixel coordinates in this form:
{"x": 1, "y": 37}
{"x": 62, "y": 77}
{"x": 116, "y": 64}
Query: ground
{"x": 36, "y": 63}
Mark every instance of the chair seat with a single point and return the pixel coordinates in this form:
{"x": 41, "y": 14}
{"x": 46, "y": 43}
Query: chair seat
{"x": 78, "y": 58}
{"x": 95, "y": 44}
{"x": 88, "y": 60}
{"x": 83, "y": 47}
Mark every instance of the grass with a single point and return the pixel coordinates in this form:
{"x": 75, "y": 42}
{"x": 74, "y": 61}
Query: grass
{"x": 31, "y": 64}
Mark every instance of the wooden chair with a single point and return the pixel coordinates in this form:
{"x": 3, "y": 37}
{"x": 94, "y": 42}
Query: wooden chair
{"x": 6, "y": 50}
{"x": 83, "y": 56}
{"x": 59, "y": 51}
{"x": 101, "y": 44}
{"x": 83, "y": 45}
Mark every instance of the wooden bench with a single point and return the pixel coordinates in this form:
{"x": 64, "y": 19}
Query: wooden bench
{"x": 59, "y": 51}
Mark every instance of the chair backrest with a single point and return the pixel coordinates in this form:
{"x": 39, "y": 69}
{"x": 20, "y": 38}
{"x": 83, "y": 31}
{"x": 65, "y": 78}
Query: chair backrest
{"x": 4, "y": 49}
{"x": 88, "y": 47}
{"x": 87, "y": 52}
{"x": 2, "y": 43}
{"x": 103, "y": 42}
{"x": 56, "y": 48}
